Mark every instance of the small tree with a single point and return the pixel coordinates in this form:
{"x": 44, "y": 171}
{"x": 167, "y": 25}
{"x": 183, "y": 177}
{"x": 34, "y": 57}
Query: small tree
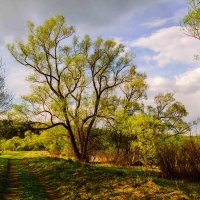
{"x": 171, "y": 114}
{"x": 5, "y": 96}
{"x": 75, "y": 81}
{"x": 122, "y": 126}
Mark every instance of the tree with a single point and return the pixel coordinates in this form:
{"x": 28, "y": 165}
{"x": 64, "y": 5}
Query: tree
{"x": 138, "y": 134}
{"x": 75, "y": 81}
{"x": 5, "y": 96}
{"x": 10, "y": 128}
{"x": 191, "y": 22}
{"x": 170, "y": 113}
{"x": 122, "y": 126}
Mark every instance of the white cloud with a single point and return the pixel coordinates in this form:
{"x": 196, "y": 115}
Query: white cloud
{"x": 186, "y": 87}
{"x": 16, "y": 82}
{"x": 188, "y": 82}
{"x": 185, "y": 83}
{"x": 157, "y": 22}
{"x": 160, "y": 84}
{"x": 191, "y": 103}
{"x": 8, "y": 39}
{"x": 169, "y": 45}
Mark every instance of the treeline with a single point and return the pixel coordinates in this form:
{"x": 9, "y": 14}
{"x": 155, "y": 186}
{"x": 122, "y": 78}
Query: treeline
{"x": 53, "y": 141}
{"x": 11, "y": 128}
{"x": 176, "y": 156}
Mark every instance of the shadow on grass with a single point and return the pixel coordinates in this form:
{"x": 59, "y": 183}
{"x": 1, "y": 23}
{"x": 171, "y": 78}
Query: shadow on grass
{"x": 75, "y": 178}
{"x": 3, "y": 174}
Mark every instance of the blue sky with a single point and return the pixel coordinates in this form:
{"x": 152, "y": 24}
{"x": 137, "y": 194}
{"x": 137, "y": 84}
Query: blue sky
{"x": 149, "y": 28}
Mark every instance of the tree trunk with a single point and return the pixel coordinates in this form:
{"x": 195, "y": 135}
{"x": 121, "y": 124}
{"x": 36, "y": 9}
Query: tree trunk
{"x": 81, "y": 156}
{"x": 74, "y": 145}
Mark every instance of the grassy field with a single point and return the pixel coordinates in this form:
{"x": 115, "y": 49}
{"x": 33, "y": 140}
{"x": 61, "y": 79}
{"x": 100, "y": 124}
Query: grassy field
{"x": 28, "y": 185}
{"x": 50, "y": 177}
{"x": 3, "y": 174}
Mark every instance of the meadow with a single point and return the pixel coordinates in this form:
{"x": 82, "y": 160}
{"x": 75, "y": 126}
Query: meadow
{"x": 35, "y": 175}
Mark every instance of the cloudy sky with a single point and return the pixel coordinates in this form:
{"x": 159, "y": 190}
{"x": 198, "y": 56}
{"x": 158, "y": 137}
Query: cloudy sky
{"x": 149, "y": 28}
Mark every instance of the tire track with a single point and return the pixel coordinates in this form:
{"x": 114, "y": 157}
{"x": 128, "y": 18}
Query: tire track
{"x": 45, "y": 183}
{"x": 16, "y": 191}
{"x": 12, "y": 191}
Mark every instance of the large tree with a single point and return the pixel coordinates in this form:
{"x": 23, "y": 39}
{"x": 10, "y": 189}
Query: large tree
{"x": 76, "y": 82}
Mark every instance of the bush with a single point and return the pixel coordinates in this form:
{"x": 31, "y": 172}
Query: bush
{"x": 11, "y": 144}
{"x": 52, "y": 140}
{"x": 180, "y": 160}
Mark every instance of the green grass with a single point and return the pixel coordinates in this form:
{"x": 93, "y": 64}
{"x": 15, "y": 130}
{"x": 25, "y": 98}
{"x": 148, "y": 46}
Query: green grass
{"x": 84, "y": 181}
{"x": 3, "y": 174}
{"x": 76, "y": 180}
{"x": 29, "y": 185}
{"x": 23, "y": 154}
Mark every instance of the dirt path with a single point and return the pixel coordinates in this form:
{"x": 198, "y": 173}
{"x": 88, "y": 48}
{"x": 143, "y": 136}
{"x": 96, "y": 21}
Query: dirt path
{"x": 14, "y": 189}
{"x": 46, "y": 184}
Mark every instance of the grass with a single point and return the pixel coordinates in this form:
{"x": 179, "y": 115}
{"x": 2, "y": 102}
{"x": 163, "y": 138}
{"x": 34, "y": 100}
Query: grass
{"x": 3, "y": 174}
{"x": 84, "y": 181}
{"x": 75, "y": 180}
{"x": 30, "y": 188}
{"x": 23, "y": 154}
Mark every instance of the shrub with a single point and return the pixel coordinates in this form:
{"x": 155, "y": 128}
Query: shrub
{"x": 180, "y": 160}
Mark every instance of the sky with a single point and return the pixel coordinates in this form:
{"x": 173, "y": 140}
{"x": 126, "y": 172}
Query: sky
{"x": 148, "y": 28}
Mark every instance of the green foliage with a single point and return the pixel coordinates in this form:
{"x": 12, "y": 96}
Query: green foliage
{"x": 191, "y": 22}
{"x": 76, "y": 84}
{"x": 149, "y": 132}
{"x": 10, "y": 128}
{"x": 135, "y": 135}
{"x": 52, "y": 140}
{"x": 170, "y": 112}
{"x": 55, "y": 141}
